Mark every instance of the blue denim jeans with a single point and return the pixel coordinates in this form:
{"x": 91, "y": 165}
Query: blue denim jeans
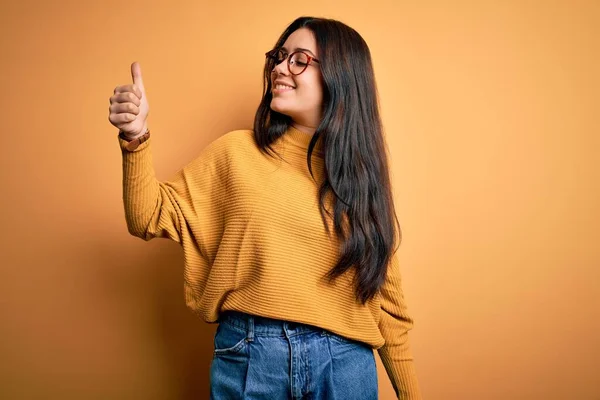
{"x": 263, "y": 358}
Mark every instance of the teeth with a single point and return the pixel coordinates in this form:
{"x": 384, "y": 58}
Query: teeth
{"x": 280, "y": 86}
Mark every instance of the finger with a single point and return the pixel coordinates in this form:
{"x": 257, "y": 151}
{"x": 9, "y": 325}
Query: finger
{"x": 125, "y": 97}
{"x": 136, "y": 75}
{"x": 129, "y": 88}
{"x": 124, "y": 108}
{"x": 121, "y": 118}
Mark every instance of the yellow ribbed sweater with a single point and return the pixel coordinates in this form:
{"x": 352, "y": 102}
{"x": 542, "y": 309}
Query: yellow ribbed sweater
{"x": 254, "y": 241}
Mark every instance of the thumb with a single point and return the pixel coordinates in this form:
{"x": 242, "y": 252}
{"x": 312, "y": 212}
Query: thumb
{"x": 136, "y": 75}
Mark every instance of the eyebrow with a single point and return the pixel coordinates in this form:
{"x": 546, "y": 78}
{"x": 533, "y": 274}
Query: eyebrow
{"x": 300, "y": 48}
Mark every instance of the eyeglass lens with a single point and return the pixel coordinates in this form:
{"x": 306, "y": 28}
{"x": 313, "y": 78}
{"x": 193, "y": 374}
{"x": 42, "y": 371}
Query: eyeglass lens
{"x": 297, "y": 62}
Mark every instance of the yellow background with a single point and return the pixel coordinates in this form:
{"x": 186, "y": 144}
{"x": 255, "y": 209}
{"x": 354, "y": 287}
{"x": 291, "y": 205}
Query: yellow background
{"x": 491, "y": 115}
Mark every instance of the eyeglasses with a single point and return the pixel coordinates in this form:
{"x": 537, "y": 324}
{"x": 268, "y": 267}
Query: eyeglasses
{"x": 297, "y": 61}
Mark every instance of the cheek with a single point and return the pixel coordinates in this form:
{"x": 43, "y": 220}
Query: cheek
{"x": 319, "y": 92}
{"x": 312, "y": 90}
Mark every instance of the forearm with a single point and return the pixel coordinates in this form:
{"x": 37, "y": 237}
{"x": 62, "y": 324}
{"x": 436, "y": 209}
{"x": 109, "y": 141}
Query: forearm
{"x": 402, "y": 375}
{"x": 140, "y": 187}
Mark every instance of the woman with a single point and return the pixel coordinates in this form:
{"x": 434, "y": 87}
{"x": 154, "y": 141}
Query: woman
{"x": 287, "y": 229}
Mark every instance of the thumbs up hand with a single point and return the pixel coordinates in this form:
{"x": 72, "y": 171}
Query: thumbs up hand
{"x": 129, "y": 107}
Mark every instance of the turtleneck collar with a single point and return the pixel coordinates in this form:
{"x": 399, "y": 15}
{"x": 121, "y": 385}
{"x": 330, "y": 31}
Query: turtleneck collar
{"x": 302, "y": 140}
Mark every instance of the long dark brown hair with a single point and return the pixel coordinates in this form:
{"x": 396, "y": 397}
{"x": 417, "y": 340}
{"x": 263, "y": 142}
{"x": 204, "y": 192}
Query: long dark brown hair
{"x": 354, "y": 151}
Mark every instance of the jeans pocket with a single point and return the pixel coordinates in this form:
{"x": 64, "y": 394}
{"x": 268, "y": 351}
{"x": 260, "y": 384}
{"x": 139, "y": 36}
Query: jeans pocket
{"x": 229, "y": 339}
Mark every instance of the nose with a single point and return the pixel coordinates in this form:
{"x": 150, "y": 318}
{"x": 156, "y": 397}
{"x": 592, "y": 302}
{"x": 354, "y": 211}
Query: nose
{"x": 281, "y": 68}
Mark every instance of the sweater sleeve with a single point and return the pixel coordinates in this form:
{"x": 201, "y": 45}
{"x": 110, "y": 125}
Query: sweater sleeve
{"x": 394, "y": 324}
{"x": 168, "y": 209}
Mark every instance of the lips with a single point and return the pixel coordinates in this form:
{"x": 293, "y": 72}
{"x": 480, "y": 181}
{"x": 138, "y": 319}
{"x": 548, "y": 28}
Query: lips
{"x": 282, "y": 87}
{"x": 278, "y": 83}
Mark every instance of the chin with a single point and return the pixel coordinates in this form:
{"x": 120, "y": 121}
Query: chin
{"x": 280, "y": 110}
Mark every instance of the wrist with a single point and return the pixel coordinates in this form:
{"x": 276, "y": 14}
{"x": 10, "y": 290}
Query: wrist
{"x": 131, "y": 138}
{"x": 133, "y": 143}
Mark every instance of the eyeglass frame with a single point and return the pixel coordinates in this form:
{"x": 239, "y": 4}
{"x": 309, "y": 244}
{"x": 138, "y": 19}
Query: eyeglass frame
{"x": 288, "y": 57}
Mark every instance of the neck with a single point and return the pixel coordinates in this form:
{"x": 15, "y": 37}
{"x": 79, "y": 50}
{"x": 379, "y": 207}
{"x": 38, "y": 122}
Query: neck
{"x": 309, "y": 130}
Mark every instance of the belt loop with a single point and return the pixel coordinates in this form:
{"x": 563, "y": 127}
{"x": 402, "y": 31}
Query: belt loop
{"x": 250, "y": 337}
